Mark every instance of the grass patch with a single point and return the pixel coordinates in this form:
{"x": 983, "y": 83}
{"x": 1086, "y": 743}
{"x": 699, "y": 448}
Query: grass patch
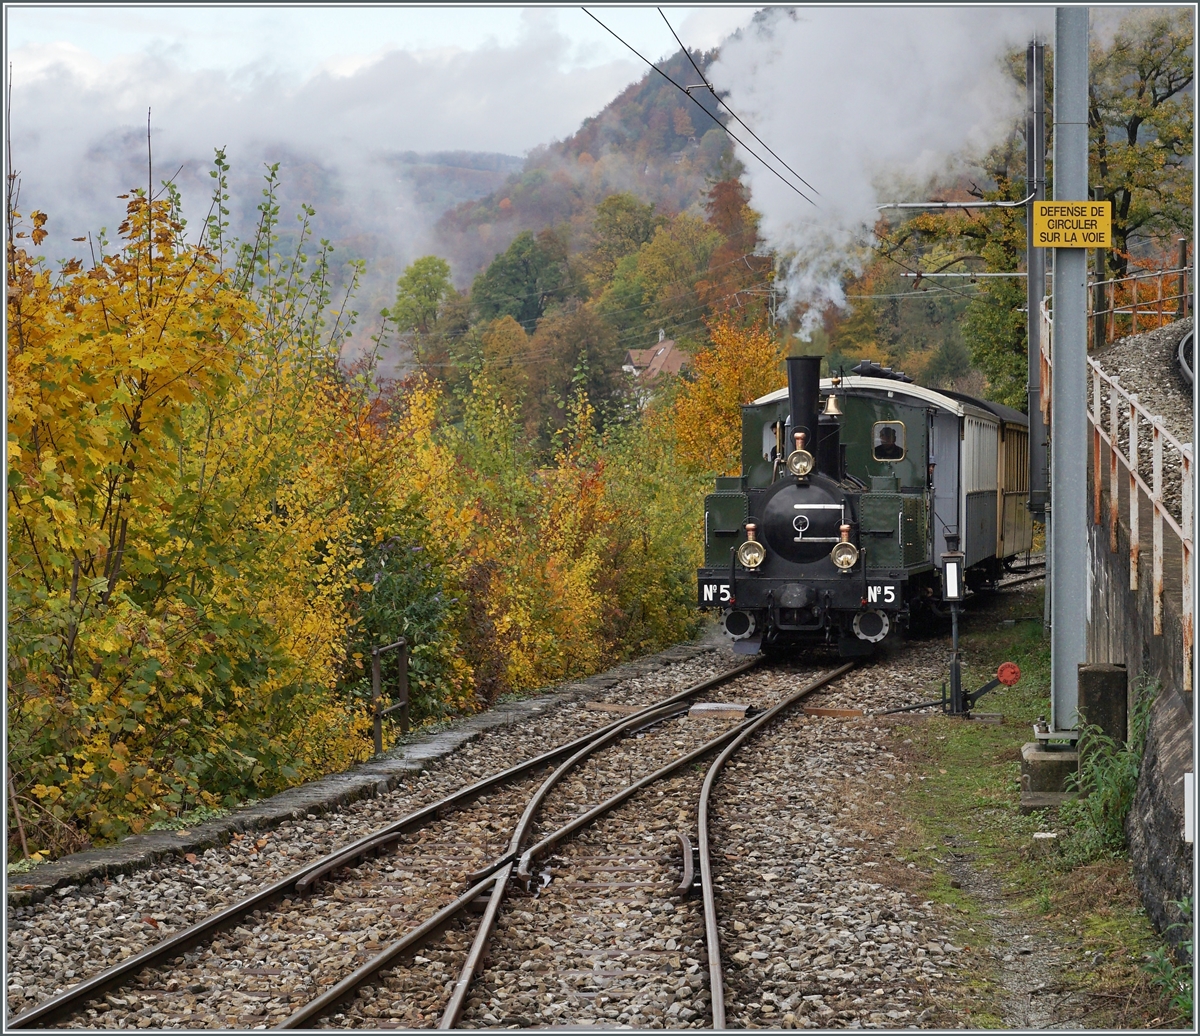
{"x": 975, "y": 853}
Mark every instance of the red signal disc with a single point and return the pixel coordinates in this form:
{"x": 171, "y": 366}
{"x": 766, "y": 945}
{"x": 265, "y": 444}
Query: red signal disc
{"x": 1008, "y": 673}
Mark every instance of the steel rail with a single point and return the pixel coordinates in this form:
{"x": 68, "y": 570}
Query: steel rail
{"x": 716, "y": 977}
{"x": 609, "y": 804}
{"x": 494, "y": 881}
{"x": 1017, "y": 582}
{"x": 511, "y": 856}
{"x": 70, "y": 1000}
{"x": 458, "y": 998}
{"x": 412, "y": 940}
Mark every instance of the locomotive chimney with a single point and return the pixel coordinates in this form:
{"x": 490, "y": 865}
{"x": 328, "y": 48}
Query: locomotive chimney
{"x": 804, "y": 386}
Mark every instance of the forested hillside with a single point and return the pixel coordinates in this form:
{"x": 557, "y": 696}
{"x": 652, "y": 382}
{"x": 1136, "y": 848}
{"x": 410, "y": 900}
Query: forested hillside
{"x": 650, "y": 141}
{"x": 213, "y": 520}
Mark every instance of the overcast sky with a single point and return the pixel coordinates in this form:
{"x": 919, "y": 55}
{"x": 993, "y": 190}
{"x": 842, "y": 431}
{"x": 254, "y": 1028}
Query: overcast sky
{"x": 302, "y": 40}
{"x": 851, "y": 93}
{"x": 123, "y": 50}
{"x": 328, "y": 92}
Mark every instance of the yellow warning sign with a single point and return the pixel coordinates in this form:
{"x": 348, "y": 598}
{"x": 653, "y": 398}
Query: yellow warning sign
{"x": 1072, "y": 224}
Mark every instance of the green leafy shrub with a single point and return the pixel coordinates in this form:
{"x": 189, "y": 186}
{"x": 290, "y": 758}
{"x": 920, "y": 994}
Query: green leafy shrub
{"x": 1106, "y": 782}
{"x": 1175, "y": 977}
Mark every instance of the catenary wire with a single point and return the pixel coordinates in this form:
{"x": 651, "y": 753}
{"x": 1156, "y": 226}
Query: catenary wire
{"x": 683, "y": 90}
{"x": 725, "y": 104}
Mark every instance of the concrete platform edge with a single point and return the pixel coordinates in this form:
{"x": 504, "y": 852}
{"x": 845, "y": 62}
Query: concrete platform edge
{"x": 365, "y": 780}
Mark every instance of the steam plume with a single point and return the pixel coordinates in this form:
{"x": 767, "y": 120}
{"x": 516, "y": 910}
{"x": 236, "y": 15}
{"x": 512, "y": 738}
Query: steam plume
{"x": 868, "y": 104}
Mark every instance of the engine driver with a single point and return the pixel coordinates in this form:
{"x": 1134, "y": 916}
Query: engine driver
{"x": 887, "y": 448}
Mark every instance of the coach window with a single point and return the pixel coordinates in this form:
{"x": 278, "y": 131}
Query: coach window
{"x": 889, "y": 441}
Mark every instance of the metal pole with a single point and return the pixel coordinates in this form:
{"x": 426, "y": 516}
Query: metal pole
{"x": 402, "y": 698}
{"x": 1068, "y": 428}
{"x": 375, "y": 690}
{"x": 1035, "y": 264}
{"x": 1181, "y": 308}
{"x": 956, "y": 702}
{"x": 1098, "y": 292}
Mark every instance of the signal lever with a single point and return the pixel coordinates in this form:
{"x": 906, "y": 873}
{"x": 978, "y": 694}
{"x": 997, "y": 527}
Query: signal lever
{"x": 959, "y": 702}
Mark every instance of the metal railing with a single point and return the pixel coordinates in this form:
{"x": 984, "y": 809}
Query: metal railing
{"x": 1131, "y": 424}
{"x": 401, "y": 704}
{"x": 1153, "y": 297}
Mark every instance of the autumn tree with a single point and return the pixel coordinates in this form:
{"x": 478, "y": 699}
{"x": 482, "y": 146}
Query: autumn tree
{"x": 739, "y": 365}
{"x": 507, "y": 360}
{"x": 1140, "y": 128}
{"x": 657, "y": 286}
{"x": 180, "y": 559}
{"x": 420, "y": 292}
{"x": 576, "y": 351}
{"x": 738, "y": 280}
{"x": 522, "y": 282}
{"x": 621, "y": 226}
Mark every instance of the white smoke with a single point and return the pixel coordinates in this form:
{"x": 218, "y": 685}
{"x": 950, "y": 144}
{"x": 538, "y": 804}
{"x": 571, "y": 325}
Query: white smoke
{"x": 868, "y": 105}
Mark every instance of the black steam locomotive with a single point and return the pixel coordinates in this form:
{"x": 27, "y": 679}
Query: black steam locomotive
{"x": 835, "y": 529}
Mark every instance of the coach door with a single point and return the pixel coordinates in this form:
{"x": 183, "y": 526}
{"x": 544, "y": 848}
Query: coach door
{"x": 943, "y": 459}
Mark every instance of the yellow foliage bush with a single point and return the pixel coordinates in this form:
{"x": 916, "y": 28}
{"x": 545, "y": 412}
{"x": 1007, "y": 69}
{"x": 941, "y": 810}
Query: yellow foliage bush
{"x": 178, "y": 552}
{"x": 740, "y": 365}
{"x": 211, "y": 524}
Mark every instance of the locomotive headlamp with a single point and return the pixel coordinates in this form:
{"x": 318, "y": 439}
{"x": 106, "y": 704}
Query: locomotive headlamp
{"x": 800, "y": 461}
{"x": 845, "y": 553}
{"x": 751, "y": 553}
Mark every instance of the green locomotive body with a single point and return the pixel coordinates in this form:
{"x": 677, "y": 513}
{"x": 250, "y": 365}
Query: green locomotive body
{"x": 899, "y": 469}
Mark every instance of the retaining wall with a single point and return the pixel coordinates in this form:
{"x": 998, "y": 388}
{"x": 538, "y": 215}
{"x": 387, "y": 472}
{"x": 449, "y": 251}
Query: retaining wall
{"x": 1121, "y": 630}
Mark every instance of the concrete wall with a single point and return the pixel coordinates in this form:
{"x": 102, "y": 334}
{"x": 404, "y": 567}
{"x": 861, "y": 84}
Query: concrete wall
{"x": 1120, "y": 629}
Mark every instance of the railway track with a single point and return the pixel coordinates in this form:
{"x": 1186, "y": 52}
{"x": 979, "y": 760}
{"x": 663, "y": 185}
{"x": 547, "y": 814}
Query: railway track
{"x": 416, "y": 926}
{"x": 715, "y": 970}
{"x": 392, "y": 1000}
{"x": 174, "y": 951}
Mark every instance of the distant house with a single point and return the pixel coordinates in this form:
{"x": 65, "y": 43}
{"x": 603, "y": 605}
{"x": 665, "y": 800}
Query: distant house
{"x": 647, "y": 365}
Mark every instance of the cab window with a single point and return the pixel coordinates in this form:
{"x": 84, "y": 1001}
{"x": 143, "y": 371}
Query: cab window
{"x": 772, "y": 435}
{"x": 888, "y": 440}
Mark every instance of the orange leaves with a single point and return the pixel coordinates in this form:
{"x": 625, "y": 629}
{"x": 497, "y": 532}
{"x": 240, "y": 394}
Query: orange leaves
{"x": 39, "y": 221}
{"x": 739, "y": 366}
{"x": 179, "y": 556}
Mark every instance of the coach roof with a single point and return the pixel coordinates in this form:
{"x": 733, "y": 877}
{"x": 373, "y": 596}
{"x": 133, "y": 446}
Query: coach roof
{"x": 885, "y": 386}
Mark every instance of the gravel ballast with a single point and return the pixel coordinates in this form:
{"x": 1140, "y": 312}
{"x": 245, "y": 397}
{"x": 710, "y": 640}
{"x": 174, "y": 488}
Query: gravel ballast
{"x": 259, "y": 972}
{"x": 61, "y": 931}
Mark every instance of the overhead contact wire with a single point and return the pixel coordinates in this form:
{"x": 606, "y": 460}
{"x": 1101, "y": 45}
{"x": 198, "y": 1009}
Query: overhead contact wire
{"x": 725, "y": 104}
{"x": 683, "y": 90}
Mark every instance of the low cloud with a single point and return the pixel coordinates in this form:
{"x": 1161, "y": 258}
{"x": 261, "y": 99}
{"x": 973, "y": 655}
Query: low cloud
{"x": 79, "y": 130}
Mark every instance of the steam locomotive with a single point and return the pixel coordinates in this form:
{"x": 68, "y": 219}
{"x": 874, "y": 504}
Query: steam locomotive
{"x": 852, "y": 489}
